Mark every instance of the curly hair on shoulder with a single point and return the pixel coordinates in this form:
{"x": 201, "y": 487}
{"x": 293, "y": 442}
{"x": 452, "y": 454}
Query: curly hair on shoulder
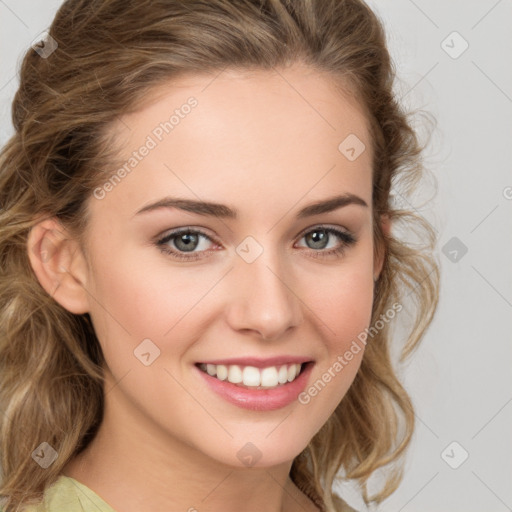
{"x": 50, "y": 359}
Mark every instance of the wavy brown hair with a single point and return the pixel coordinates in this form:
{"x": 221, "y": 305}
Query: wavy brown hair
{"x": 110, "y": 54}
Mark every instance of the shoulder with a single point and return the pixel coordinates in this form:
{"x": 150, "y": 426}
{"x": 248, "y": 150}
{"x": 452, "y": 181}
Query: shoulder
{"x": 68, "y": 494}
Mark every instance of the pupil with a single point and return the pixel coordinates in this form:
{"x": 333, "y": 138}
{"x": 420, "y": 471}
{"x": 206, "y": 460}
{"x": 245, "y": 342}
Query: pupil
{"x": 319, "y": 237}
{"x": 188, "y": 240}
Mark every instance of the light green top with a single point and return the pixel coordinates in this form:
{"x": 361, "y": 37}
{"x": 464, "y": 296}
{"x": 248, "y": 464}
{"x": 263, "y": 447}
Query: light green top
{"x": 69, "y": 495}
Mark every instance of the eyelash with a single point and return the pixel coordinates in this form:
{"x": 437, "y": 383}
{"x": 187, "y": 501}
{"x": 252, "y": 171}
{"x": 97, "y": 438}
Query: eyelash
{"x": 347, "y": 239}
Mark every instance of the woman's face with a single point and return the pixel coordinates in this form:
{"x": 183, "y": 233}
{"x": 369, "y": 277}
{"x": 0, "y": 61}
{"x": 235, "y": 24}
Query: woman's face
{"x": 262, "y": 273}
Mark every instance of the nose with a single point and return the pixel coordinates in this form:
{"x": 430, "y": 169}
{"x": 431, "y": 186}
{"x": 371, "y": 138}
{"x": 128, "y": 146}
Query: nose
{"x": 263, "y": 299}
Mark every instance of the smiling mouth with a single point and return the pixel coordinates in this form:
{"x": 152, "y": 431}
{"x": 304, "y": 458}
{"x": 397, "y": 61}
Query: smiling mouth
{"x": 251, "y": 377}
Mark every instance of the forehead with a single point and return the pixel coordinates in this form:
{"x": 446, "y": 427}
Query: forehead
{"x": 264, "y": 134}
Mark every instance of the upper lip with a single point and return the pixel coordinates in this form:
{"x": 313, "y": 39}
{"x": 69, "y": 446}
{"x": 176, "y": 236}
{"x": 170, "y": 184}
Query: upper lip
{"x": 259, "y": 362}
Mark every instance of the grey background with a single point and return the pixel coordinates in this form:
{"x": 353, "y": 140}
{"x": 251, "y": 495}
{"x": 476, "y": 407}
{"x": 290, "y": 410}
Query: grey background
{"x": 460, "y": 378}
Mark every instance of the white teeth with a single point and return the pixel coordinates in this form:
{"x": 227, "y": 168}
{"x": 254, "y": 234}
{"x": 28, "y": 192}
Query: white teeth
{"x": 293, "y": 371}
{"x": 269, "y": 376}
{"x": 222, "y": 372}
{"x": 251, "y": 376}
{"x": 234, "y": 374}
{"x": 283, "y": 374}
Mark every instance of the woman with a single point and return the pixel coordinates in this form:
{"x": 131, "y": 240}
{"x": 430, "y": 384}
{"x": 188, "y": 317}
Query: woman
{"x": 200, "y": 264}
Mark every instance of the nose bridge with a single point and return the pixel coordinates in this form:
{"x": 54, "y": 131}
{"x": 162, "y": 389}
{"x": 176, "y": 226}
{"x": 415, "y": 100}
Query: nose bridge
{"x": 262, "y": 296}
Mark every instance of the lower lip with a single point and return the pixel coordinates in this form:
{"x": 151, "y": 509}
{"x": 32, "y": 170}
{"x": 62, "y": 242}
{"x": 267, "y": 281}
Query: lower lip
{"x": 259, "y": 399}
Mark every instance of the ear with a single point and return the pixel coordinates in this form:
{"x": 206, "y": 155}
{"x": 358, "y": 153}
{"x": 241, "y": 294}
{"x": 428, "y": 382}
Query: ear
{"x": 59, "y": 264}
{"x": 385, "y": 223}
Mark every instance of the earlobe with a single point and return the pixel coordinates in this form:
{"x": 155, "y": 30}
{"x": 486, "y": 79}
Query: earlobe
{"x": 59, "y": 265}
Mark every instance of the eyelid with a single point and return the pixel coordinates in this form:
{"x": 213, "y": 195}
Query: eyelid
{"x": 324, "y": 226}
{"x": 205, "y": 232}
{"x": 346, "y": 236}
{"x": 185, "y": 229}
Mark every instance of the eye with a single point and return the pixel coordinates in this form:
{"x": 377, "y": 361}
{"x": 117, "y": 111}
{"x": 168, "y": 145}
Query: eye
{"x": 320, "y": 237}
{"x": 190, "y": 244}
{"x": 185, "y": 241}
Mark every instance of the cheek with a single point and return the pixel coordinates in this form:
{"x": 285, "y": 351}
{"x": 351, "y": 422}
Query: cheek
{"x": 343, "y": 298}
{"x": 346, "y": 307}
{"x": 343, "y": 306}
{"x": 136, "y": 300}
{"x": 129, "y": 289}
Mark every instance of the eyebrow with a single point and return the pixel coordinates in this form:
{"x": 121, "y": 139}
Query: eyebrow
{"x": 221, "y": 210}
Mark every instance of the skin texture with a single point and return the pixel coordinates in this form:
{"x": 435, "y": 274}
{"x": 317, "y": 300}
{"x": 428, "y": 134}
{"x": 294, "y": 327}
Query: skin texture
{"x": 265, "y": 143}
